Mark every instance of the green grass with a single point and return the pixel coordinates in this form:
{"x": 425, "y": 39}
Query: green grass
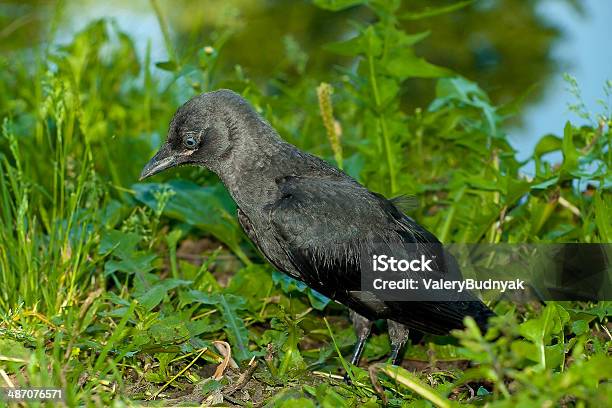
{"x": 117, "y": 291}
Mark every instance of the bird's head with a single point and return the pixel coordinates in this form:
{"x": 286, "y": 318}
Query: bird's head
{"x": 202, "y": 132}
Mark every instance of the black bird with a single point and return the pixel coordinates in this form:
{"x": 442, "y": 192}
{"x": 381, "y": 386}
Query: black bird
{"x": 309, "y": 219}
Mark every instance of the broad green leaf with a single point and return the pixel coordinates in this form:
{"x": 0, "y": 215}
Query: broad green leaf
{"x": 153, "y": 296}
{"x": 451, "y": 92}
{"x": 235, "y": 328}
{"x": 288, "y": 284}
{"x": 460, "y": 89}
{"x": 337, "y": 5}
{"x": 228, "y": 305}
{"x": 367, "y": 43}
{"x": 570, "y": 154}
{"x": 603, "y": 215}
{"x": 372, "y": 43}
{"x": 209, "y": 208}
{"x": 515, "y": 189}
{"x": 443, "y": 352}
{"x": 171, "y": 329}
{"x": 403, "y": 63}
{"x": 136, "y": 262}
{"x": 590, "y": 372}
{"x": 252, "y": 283}
{"x": 545, "y": 184}
{"x": 300, "y": 402}
{"x": 376, "y": 347}
{"x": 111, "y": 214}
{"x": 167, "y": 65}
{"x": 554, "y": 354}
{"x": 329, "y": 398}
{"x": 601, "y": 309}
{"x": 579, "y": 327}
{"x": 120, "y": 243}
{"x": 435, "y": 11}
{"x": 547, "y": 144}
{"x": 388, "y": 89}
{"x": 351, "y": 47}
{"x": 200, "y": 326}
{"x": 415, "y": 384}
{"x": 13, "y": 352}
{"x": 161, "y": 374}
{"x": 541, "y": 330}
{"x": 481, "y": 183}
{"x": 317, "y": 300}
{"x": 400, "y": 38}
{"x": 482, "y": 391}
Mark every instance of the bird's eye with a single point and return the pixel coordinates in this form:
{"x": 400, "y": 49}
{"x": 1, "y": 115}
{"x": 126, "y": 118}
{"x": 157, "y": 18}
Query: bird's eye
{"x": 190, "y": 142}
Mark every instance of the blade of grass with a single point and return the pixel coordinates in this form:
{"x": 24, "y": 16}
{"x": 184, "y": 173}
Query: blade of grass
{"x": 345, "y": 365}
{"x": 118, "y": 334}
{"x": 411, "y": 381}
{"x": 170, "y": 381}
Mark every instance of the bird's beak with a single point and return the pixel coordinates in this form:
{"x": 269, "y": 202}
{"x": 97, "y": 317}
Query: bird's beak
{"x": 164, "y": 159}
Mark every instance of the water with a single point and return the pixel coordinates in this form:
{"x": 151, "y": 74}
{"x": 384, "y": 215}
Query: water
{"x": 136, "y": 19}
{"x": 581, "y": 48}
{"x": 584, "y": 51}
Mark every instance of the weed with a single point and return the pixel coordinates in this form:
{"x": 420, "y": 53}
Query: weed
{"x": 118, "y": 291}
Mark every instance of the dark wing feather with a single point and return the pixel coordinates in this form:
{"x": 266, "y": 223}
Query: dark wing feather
{"x": 278, "y": 262}
{"x": 324, "y": 225}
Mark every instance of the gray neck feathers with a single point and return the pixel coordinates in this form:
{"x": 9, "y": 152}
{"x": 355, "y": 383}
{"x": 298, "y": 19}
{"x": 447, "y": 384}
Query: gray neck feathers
{"x": 258, "y": 156}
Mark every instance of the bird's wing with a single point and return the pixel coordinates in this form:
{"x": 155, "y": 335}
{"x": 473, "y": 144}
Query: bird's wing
{"x": 277, "y": 262}
{"x": 325, "y": 225}
{"x": 247, "y": 227}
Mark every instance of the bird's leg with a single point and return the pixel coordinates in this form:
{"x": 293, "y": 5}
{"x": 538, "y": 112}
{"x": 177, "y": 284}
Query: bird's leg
{"x": 362, "y": 327}
{"x": 398, "y": 333}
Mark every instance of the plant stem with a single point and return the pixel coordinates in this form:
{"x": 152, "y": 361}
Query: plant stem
{"x": 165, "y": 31}
{"x": 383, "y": 126}
{"x": 451, "y": 214}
